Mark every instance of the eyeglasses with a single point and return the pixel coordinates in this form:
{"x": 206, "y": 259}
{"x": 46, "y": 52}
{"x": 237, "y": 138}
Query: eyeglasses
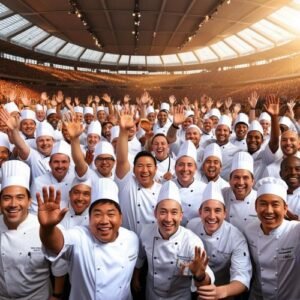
{"x": 104, "y": 159}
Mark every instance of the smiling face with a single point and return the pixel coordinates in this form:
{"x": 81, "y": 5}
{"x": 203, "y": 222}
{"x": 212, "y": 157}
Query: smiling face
{"x": 59, "y": 164}
{"x": 104, "y": 164}
{"x": 168, "y": 214}
{"x": 271, "y": 210}
{"x": 185, "y": 169}
{"x": 241, "y": 130}
{"x": 27, "y": 127}
{"x": 160, "y": 147}
{"x": 290, "y": 172}
{"x": 222, "y": 134}
{"x": 289, "y": 143}
{"x": 212, "y": 214}
{"x": 193, "y": 134}
{"x": 144, "y": 170}
{"x": 241, "y": 182}
{"x": 14, "y": 204}
{"x": 44, "y": 144}
{"x": 212, "y": 167}
{"x": 105, "y": 221}
{"x": 80, "y": 198}
{"x": 207, "y": 125}
{"x": 92, "y": 139}
{"x": 254, "y": 140}
{"x": 162, "y": 118}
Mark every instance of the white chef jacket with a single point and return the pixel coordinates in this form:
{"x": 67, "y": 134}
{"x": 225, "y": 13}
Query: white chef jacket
{"x": 241, "y": 144}
{"x": 239, "y": 213}
{"x": 293, "y": 202}
{"x": 164, "y": 166}
{"x": 24, "y": 270}
{"x": 164, "y": 257}
{"x": 38, "y": 163}
{"x": 228, "y": 252}
{"x": 134, "y": 146}
{"x": 191, "y": 197}
{"x": 157, "y": 129}
{"x": 48, "y": 180}
{"x": 228, "y": 150}
{"x": 277, "y": 261}
{"x": 94, "y": 176}
{"x": 220, "y": 181}
{"x": 71, "y": 220}
{"x": 137, "y": 203}
{"x": 99, "y": 270}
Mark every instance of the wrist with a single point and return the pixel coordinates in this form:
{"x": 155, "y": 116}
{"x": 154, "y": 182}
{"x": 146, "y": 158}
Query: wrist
{"x": 175, "y": 126}
{"x": 56, "y": 295}
{"x": 199, "y": 278}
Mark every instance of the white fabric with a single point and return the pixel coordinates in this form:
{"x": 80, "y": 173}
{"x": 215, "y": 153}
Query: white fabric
{"x": 242, "y": 161}
{"x": 228, "y": 253}
{"x": 225, "y": 120}
{"x": 167, "y": 165}
{"x": 24, "y": 271}
{"x": 163, "y": 280}
{"x": 11, "y": 107}
{"x": 99, "y": 270}
{"x": 44, "y": 129}
{"x": 169, "y": 191}
{"x": 273, "y": 186}
{"x": 137, "y": 203}
{"x": 277, "y": 261}
{"x": 165, "y": 106}
{"x": 164, "y": 129}
{"x": 187, "y": 149}
{"x": 241, "y": 118}
{"x": 28, "y": 114}
{"x": 62, "y": 147}
{"x": 105, "y": 188}
{"x": 220, "y": 181}
{"x": 240, "y": 213}
{"x": 94, "y": 128}
{"x": 212, "y": 149}
{"x": 134, "y": 146}
{"x": 212, "y": 191}
{"x": 293, "y": 202}
{"x": 255, "y": 126}
{"x": 104, "y": 148}
{"x": 4, "y": 142}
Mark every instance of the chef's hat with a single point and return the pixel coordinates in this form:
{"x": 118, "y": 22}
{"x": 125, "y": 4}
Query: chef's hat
{"x": 15, "y": 173}
{"x": 28, "y": 114}
{"x": 273, "y": 186}
{"x": 39, "y": 107}
{"x": 101, "y": 107}
{"x": 88, "y": 110}
{"x": 105, "y": 188}
{"x": 94, "y": 128}
{"x": 242, "y": 118}
{"x": 196, "y": 127}
{"x": 4, "y": 142}
{"x": 187, "y": 148}
{"x": 78, "y": 109}
{"x": 44, "y": 129}
{"x": 51, "y": 111}
{"x": 255, "y": 126}
{"x": 242, "y": 161}
{"x": 287, "y": 121}
{"x": 212, "y": 149}
{"x": 264, "y": 116}
{"x": 165, "y": 106}
{"x": 77, "y": 181}
{"x": 225, "y": 120}
{"x": 170, "y": 191}
{"x": 149, "y": 110}
{"x": 215, "y": 112}
{"x": 104, "y": 147}
{"x": 106, "y": 109}
{"x": 11, "y": 107}
{"x": 206, "y": 116}
{"x": 189, "y": 113}
{"x": 115, "y": 132}
{"x": 212, "y": 191}
{"x": 61, "y": 147}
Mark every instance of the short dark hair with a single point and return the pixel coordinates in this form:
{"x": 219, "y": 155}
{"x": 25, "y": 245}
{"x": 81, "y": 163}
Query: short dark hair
{"x": 27, "y": 193}
{"x": 157, "y": 135}
{"x": 144, "y": 153}
{"x": 105, "y": 201}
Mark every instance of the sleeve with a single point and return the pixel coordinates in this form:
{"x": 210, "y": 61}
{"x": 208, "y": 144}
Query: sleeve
{"x": 240, "y": 268}
{"x": 269, "y": 157}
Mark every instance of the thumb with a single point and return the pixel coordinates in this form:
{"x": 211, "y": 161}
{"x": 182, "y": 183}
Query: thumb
{"x": 63, "y": 213}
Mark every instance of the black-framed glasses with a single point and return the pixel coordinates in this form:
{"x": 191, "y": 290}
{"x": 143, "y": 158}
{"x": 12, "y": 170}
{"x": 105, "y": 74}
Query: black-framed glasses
{"x": 104, "y": 159}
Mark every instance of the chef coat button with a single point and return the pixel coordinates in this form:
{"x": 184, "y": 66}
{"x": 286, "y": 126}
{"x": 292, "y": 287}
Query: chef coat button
{"x": 248, "y": 202}
{"x": 156, "y": 238}
{"x": 176, "y": 243}
{"x": 230, "y": 216}
{"x": 276, "y": 289}
{"x": 98, "y": 269}
{"x": 217, "y": 238}
{"x": 201, "y": 233}
{"x": 155, "y": 257}
{"x": 120, "y": 287}
{"x": 169, "y": 278}
{"x": 138, "y": 222}
{"x": 71, "y": 216}
{"x": 139, "y": 189}
{"x": 152, "y": 206}
{"x": 172, "y": 262}
{"x": 245, "y": 219}
{"x": 153, "y": 222}
{"x": 153, "y": 194}
{"x": 231, "y": 200}
{"x": 139, "y": 205}
{"x": 155, "y": 273}
{"x": 213, "y": 255}
{"x": 190, "y": 205}
{"x": 192, "y": 191}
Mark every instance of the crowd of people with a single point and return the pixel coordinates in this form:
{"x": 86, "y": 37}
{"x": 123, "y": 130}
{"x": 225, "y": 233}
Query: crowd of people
{"x": 135, "y": 199}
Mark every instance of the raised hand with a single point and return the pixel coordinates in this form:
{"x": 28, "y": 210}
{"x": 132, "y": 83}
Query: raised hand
{"x": 219, "y": 103}
{"x": 237, "y": 108}
{"x": 252, "y": 100}
{"x": 291, "y": 104}
{"x": 228, "y": 102}
{"x": 126, "y": 99}
{"x": 68, "y": 102}
{"x": 209, "y": 103}
{"x": 25, "y": 100}
{"x": 73, "y": 125}
{"x": 105, "y": 97}
{"x": 178, "y": 115}
{"x": 199, "y": 263}
{"x": 59, "y": 97}
{"x": 44, "y": 98}
{"x": 126, "y": 121}
{"x": 49, "y": 212}
{"x": 12, "y": 96}
{"x": 272, "y": 105}
{"x": 89, "y": 100}
{"x": 172, "y": 99}
{"x": 97, "y": 99}
{"x": 11, "y": 121}
{"x": 145, "y": 98}
{"x": 77, "y": 101}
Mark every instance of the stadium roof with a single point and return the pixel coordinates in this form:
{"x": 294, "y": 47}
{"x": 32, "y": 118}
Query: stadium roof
{"x": 169, "y": 33}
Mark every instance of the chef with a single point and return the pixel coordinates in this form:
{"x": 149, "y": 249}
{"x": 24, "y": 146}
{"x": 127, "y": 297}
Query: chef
{"x": 225, "y": 246}
{"x": 240, "y": 196}
{"x": 274, "y": 244}
{"x": 241, "y": 125}
{"x": 24, "y": 271}
{"x": 163, "y": 122}
{"x": 190, "y": 188}
{"x": 61, "y": 175}
{"x": 101, "y": 255}
{"x": 174, "y": 254}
